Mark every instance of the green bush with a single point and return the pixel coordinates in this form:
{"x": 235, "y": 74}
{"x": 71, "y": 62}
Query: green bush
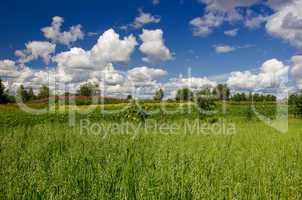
{"x": 206, "y": 106}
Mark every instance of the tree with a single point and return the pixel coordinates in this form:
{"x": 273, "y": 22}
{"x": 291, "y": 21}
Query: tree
{"x": 31, "y": 94}
{"x": 129, "y": 97}
{"x": 184, "y": 94}
{"x": 44, "y": 92}
{"x": 23, "y": 94}
{"x": 222, "y": 91}
{"x": 206, "y": 104}
{"x": 86, "y": 90}
{"x": 3, "y": 96}
{"x": 295, "y": 101}
{"x": 159, "y": 95}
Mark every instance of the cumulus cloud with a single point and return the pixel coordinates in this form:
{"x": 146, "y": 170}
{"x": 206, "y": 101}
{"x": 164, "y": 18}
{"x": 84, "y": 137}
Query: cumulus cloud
{"x": 110, "y": 48}
{"x": 232, "y": 32}
{"x": 55, "y": 34}
{"x": 76, "y": 65}
{"x": 35, "y": 50}
{"x": 216, "y": 13}
{"x": 79, "y": 64}
{"x": 153, "y": 46}
{"x": 286, "y": 23}
{"x": 145, "y": 73}
{"x": 297, "y": 70}
{"x": 221, "y": 49}
{"x": 8, "y": 68}
{"x": 219, "y": 11}
{"x": 253, "y": 20}
{"x": 203, "y": 26}
{"x": 278, "y": 4}
{"x": 271, "y": 75}
{"x": 144, "y": 18}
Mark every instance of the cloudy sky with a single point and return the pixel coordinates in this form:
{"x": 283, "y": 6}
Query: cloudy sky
{"x": 142, "y": 45}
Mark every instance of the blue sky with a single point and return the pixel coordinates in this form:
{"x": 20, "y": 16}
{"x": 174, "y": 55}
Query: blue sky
{"x": 22, "y": 22}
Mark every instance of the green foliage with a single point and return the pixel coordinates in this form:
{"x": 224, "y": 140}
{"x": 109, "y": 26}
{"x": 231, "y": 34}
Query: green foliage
{"x": 184, "y": 94}
{"x": 44, "y": 92}
{"x": 135, "y": 113}
{"x": 249, "y": 112}
{"x": 241, "y": 97}
{"x": 31, "y": 94}
{"x": 87, "y": 90}
{"x": 23, "y": 93}
{"x": 206, "y": 105}
{"x": 52, "y": 160}
{"x": 3, "y": 96}
{"x": 159, "y": 95}
{"x": 295, "y": 101}
{"x": 222, "y": 91}
{"x": 129, "y": 97}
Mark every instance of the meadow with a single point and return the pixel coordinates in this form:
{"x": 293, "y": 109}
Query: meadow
{"x": 43, "y": 157}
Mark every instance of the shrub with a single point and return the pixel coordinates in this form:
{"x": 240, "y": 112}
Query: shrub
{"x": 184, "y": 94}
{"x": 296, "y": 102}
{"x": 206, "y": 105}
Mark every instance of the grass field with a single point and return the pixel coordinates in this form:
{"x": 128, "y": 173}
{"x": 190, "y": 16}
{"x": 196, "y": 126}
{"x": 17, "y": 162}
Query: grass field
{"x": 42, "y": 157}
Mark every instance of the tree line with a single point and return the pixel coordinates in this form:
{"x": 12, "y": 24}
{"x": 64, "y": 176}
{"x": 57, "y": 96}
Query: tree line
{"x": 220, "y": 92}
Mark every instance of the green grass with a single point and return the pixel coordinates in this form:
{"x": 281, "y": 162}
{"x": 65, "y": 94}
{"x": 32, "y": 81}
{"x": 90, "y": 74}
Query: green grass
{"x": 51, "y": 160}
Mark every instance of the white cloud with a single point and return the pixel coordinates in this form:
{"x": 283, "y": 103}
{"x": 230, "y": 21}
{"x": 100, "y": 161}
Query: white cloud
{"x": 145, "y": 73}
{"x": 219, "y": 11}
{"x": 224, "y": 49}
{"x": 232, "y": 32}
{"x": 153, "y": 46}
{"x": 8, "y": 68}
{"x": 227, "y": 6}
{"x": 78, "y": 64}
{"x": 55, "y": 34}
{"x": 35, "y": 50}
{"x": 297, "y": 70}
{"x": 253, "y": 22}
{"x": 75, "y": 58}
{"x": 144, "y": 18}
{"x": 278, "y": 4}
{"x": 286, "y": 23}
{"x": 110, "y": 48}
{"x": 272, "y": 73}
{"x": 203, "y": 26}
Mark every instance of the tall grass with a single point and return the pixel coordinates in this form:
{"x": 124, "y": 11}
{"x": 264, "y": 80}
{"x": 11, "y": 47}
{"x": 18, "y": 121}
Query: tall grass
{"x": 54, "y": 161}
{"x": 42, "y": 157}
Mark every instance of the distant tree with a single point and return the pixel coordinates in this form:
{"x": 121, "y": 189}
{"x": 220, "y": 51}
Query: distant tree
{"x": 236, "y": 97}
{"x": 86, "y": 90}
{"x": 159, "y": 95}
{"x": 184, "y": 94}
{"x": 31, "y": 94}
{"x": 44, "y": 92}
{"x": 222, "y": 91}
{"x": 22, "y": 93}
{"x": 205, "y": 105}
{"x": 3, "y": 96}
{"x": 67, "y": 94}
{"x": 253, "y": 97}
{"x": 295, "y": 101}
{"x": 129, "y": 97}
{"x": 206, "y": 91}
